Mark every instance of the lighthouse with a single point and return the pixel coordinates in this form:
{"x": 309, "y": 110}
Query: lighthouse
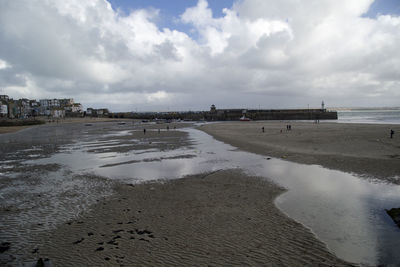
{"x": 323, "y": 106}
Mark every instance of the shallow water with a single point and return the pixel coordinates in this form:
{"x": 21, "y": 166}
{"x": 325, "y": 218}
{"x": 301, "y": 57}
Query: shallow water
{"x": 345, "y": 212}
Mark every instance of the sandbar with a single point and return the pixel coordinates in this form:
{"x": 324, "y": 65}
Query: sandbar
{"x": 363, "y": 149}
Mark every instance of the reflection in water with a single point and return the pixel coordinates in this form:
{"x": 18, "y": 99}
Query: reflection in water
{"x": 345, "y": 212}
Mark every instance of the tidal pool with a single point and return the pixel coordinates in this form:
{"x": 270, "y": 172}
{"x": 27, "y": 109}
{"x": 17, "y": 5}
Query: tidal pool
{"x": 344, "y": 211}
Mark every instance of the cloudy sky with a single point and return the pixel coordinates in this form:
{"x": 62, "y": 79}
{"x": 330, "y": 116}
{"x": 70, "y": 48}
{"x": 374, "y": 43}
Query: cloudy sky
{"x": 188, "y": 54}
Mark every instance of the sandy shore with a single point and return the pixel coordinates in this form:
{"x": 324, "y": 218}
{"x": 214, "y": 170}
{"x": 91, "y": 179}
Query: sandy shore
{"x": 221, "y": 218}
{"x": 12, "y": 129}
{"x": 363, "y": 149}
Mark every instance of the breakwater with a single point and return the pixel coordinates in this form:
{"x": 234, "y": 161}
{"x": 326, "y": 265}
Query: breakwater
{"x": 273, "y": 114}
{"x": 234, "y": 115}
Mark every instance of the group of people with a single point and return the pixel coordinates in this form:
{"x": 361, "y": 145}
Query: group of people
{"x": 144, "y": 129}
{"x": 288, "y": 128}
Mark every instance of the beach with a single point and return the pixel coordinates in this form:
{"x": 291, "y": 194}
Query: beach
{"x": 12, "y": 129}
{"x": 362, "y": 149}
{"x": 109, "y": 194}
{"x": 221, "y": 218}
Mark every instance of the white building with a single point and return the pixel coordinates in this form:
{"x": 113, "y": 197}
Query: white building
{"x": 3, "y": 110}
{"x": 76, "y": 107}
{"x": 58, "y": 113}
{"x": 49, "y": 102}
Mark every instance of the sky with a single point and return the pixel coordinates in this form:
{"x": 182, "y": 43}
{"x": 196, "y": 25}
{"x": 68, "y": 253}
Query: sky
{"x": 157, "y": 55}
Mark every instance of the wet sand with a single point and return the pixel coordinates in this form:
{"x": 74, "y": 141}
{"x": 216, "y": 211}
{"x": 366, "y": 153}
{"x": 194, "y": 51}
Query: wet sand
{"x": 221, "y": 218}
{"x": 37, "y": 197}
{"x": 362, "y": 149}
{"x": 12, "y": 129}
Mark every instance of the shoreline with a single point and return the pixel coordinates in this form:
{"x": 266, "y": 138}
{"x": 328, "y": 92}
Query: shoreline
{"x": 365, "y": 150}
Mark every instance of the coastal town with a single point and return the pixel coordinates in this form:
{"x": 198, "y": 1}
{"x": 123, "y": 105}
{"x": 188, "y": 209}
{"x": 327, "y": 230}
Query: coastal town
{"x": 55, "y": 108}
{"x": 62, "y": 108}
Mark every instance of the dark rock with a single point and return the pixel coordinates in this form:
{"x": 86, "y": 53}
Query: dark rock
{"x": 395, "y": 215}
{"x": 78, "y": 241}
{"x": 117, "y": 231}
{"x": 4, "y": 246}
{"x": 141, "y": 232}
{"x": 99, "y": 249}
{"x": 107, "y": 258}
{"x": 35, "y": 251}
{"x": 40, "y": 263}
{"x": 112, "y": 242}
{"x": 90, "y": 233}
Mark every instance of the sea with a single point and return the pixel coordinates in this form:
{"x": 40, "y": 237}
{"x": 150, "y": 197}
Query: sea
{"x": 380, "y": 115}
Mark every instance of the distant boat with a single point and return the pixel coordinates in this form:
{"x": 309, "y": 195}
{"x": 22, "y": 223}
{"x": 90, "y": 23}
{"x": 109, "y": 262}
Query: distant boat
{"x": 121, "y": 123}
{"x": 243, "y": 118}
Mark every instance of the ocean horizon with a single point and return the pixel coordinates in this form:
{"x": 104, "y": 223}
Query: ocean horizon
{"x": 369, "y": 115}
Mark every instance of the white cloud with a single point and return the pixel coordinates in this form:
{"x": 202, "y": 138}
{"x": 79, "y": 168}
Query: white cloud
{"x": 157, "y": 96}
{"x": 269, "y": 52}
{"x": 4, "y": 64}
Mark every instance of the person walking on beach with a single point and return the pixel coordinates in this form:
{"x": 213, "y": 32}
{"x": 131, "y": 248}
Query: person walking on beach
{"x": 391, "y": 133}
{"x": 262, "y": 129}
{"x": 144, "y": 130}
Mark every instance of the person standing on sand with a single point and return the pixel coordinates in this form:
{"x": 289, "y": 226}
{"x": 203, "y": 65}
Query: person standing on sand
{"x": 144, "y": 130}
{"x": 391, "y": 133}
{"x": 262, "y": 129}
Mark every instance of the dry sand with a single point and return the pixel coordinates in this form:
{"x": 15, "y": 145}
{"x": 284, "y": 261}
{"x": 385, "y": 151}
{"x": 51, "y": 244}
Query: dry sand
{"x": 221, "y": 218}
{"x": 363, "y": 149}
